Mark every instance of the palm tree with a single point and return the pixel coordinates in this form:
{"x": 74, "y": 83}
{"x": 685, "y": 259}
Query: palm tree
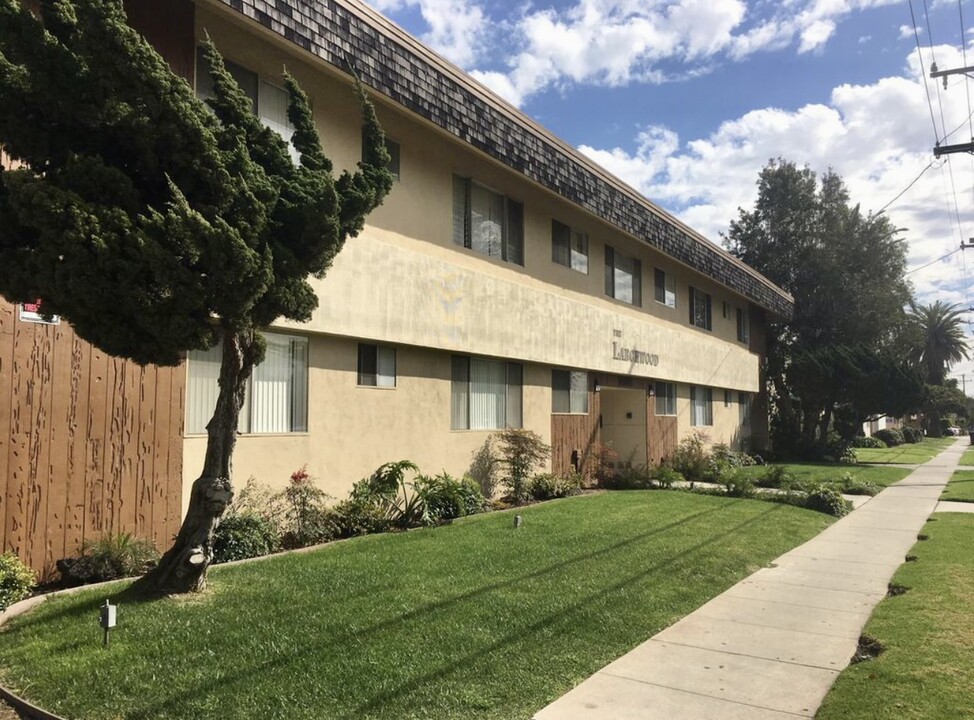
{"x": 939, "y": 338}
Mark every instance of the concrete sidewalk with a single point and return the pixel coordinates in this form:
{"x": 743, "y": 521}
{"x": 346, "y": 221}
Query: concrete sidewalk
{"x": 772, "y": 645}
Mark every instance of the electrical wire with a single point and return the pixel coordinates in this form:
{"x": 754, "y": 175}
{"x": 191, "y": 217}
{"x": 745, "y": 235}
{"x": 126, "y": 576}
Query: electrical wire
{"x": 933, "y": 57}
{"x": 926, "y": 87}
{"x": 903, "y": 191}
{"x": 933, "y": 262}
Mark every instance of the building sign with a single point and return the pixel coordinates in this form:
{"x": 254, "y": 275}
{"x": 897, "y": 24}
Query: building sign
{"x": 632, "y": 355}
{"x": 31, "y": 312}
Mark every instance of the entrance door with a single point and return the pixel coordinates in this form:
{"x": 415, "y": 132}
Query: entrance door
{"x": 624, "y": 424}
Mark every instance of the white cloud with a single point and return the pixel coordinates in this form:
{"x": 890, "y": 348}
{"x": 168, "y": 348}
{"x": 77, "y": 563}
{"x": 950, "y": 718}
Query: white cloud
{"x": 616, "y": 42}
{"x": 906, "y": 31}
{"x": 863, "y": 39}
{"x": 878, "y": 137}
{"x": 457, "y": 28}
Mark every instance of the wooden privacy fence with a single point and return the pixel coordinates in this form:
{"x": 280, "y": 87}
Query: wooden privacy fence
{"x": 89, "y": 444}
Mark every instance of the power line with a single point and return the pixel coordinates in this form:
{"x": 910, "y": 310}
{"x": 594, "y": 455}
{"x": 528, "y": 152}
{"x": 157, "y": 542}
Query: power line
{"x": 933, "y": 56}
{"x": 926, "y": 87}
{"x": 903, "y": 191}
{"x": 933, "y": 262}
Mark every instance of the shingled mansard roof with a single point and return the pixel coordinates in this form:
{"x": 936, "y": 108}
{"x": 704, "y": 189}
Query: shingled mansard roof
{"x": 398, "y": 66}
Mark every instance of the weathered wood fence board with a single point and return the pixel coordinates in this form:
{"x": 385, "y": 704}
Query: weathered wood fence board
{"x": 89, "y": 444}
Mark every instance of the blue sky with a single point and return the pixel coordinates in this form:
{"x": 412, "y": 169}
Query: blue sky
{"x": 686, "y": 100}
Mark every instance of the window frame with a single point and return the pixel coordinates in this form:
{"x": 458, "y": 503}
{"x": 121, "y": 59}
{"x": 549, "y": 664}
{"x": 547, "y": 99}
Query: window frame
{"x": 572, "y": 393}
{"x": 666, "y": 289}
{"x": 743, "y": 326}
{"x": 377, "y": 350}
{"x": 563, "y": 250}
{"x": 298, "y": 397}
{"x": 465, "y": 364}
{"x": 611, "y": 265}
{"x": 744, "y": 409}
{"x": 697, "y": 296}
{"x": 512, "y": 225}
{"x": 704, "y": 404}
{"x": 665, "y": 394}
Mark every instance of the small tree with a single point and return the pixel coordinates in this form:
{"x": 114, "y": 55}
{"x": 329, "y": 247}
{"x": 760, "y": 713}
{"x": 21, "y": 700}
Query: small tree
{"x": 521, "y": 452}
{"x": 158, "y": 224}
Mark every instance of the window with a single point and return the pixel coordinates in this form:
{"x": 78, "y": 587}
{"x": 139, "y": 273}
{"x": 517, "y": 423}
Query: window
{"x": 744, "y": 409}
{"x": 376, "y": 365}
{"x": 727, "y": 398}
{"x": 700, "y": 309}
{"x": 665, "y": 287}
{"x": 665, "y": 398}
{"x": 623, "y": 277}
{"x": 569, "y": 247}
{"x": 269, "y": 101}
{"x": 487, "y": 222}
{"x": 569, "y": 392}
{"x": 276, "y": 399}
{"x": 743, "y": 326}
{"x": 393, "y": 148}
{"x": 701, "y": 406}
{"x": 485, "y": 394}
{"x": 724, "y": 309}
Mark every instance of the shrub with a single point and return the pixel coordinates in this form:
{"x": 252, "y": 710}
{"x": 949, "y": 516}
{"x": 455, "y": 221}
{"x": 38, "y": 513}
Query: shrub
{"x": 109, "y": 558}
{"x": 303, "y": 518}
{"x": 16, "y": 580}
{"x": 483, "y": 468}
{"x": 864, "y": 441}
{"x": 691, "y": 458}
{"x": 390, "y": 496}
{"x": 244, "y": 535}
{"x": 522, "y": 451}
{"x": 547, "y": 486}
{"x": 912, "y": 434}
{"x": 667, "y": 477}
{"x": 775, "y": 476}
{"x": 891, "y": 436}
{"x": 630, "y": 477}
{"x": 447, "y": 498}
{"x": 827, "y": 500}
{"x": 361, "y": 517}
{"x": 852, "y": 486}
{"x": 604, "y": 469}
{"x": 737, "y": 483}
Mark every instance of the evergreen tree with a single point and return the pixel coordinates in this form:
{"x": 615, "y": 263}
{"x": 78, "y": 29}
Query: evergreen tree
{"x": 846, "y": 274}
{"x": 156, "y": 224}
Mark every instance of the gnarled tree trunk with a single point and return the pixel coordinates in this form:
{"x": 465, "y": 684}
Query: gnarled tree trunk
{"x": 183, "y": 568}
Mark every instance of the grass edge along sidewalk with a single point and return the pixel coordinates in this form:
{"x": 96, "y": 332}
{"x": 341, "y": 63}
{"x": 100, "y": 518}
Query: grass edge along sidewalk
{"x": 907, "y": 453}
{"x": 928, "y": 634}
{"x": 470, "y": 620}
{"x": 960, "y": 488}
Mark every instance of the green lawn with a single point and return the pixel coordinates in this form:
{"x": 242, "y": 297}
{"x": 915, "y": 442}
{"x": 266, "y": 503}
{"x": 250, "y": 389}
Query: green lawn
{"x": 470, "y": 620}
{"x": 960, "y": 487}
{"x": 909, "y": 453}
{"x": 831, "y": 472}
{"x": 968, "y": 457}
{"x": 928, "y": 633}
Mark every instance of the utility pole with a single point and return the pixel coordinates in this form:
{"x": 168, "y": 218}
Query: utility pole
{"x": 939, "y": 149}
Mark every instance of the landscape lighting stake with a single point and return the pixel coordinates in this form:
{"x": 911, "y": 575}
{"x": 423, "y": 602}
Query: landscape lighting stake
{"x": 107, "y": 618}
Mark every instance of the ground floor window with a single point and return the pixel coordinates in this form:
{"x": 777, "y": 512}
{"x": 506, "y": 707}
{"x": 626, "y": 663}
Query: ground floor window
{"x": 376, "y": 365}
{"x": 569, "y": 392}
{"x": 276, "y": 398}
{"x": 744, "y": 408}
{"x": 665, "y": 398}
{"x": 485, "y": 394}
{"x": 701, "y": 406}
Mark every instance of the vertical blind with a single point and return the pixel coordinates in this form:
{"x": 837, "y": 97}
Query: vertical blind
{"x": 701, "y": 406}
{"x": 276, "y": 399}
{"x": 485, "y": 394}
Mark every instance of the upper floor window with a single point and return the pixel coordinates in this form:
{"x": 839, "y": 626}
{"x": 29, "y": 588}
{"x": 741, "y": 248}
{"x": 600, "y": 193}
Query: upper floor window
{"x": 485, "y": 394}
{"x": 269, "y": 100}
{"x": 569, "y": 391}
{"x": 393, "y": 149}
{"x": 700, "y": 309}
{"x": 569, "y": 247}
{"x": 743, "y": 326}
{"x": 276, "y": 399}
{"x": 665, "y": 398}
{"x": 376, "y": 365}
{"x": 487, "y": 222}
{"x": 623, "y": 277}
{"x": 701, "y": 406}
{"x": 665, "y": 288}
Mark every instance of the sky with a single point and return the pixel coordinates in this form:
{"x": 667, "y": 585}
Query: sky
{"x": 686, "y": 100}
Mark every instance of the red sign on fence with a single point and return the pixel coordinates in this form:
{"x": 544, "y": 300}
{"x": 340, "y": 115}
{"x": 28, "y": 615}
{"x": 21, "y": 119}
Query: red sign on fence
{"x": 31, "y": 312}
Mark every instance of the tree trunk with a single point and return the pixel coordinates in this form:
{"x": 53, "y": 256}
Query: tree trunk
{"x": 183, "y": 568}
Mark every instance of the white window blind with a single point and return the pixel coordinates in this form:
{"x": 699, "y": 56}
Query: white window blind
{"x": 485, "y": 394}
{"x": 569, "y": 391}
{"x": 272, "y": 111}
{"x": 487, "y": 222}
{"x": 665, "y": 288}
{"x": 701, "y": 406}
{"x": 665, "y": 398}
{"x": 744, "y": 405}
{"x": 276, "y": 399}
{"x": 376, "y": 365}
